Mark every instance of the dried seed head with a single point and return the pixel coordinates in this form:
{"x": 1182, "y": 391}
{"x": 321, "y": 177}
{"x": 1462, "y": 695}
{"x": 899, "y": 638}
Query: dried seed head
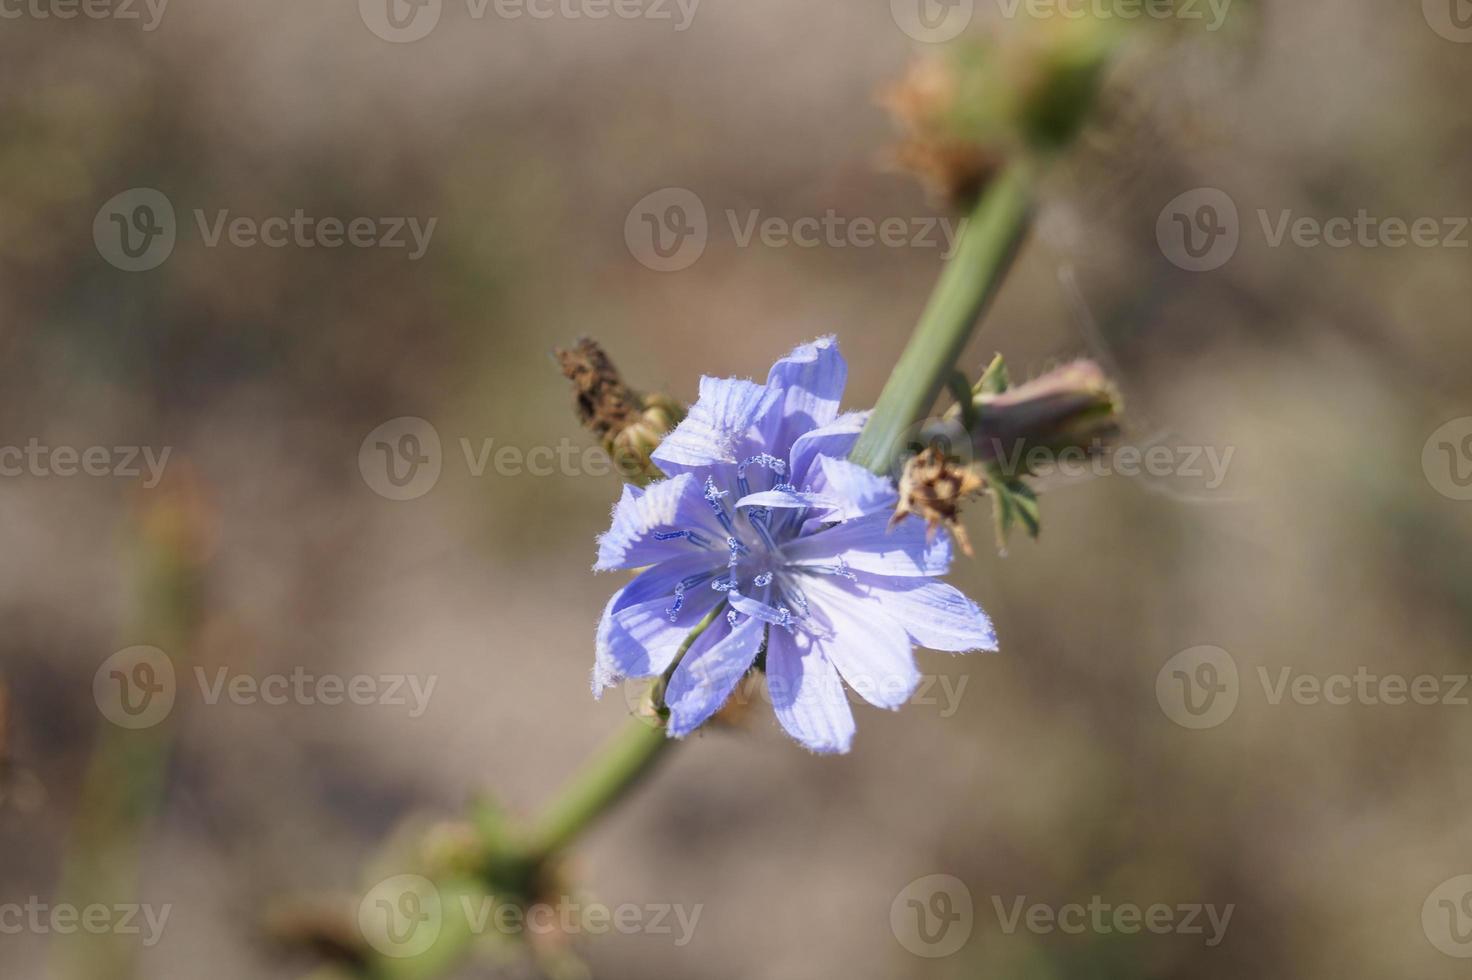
{"x": 952, "y": 166}
{"x": 629, "y": 425}
{"x": 932, "y": 487}
{"x": 604, "y": 404}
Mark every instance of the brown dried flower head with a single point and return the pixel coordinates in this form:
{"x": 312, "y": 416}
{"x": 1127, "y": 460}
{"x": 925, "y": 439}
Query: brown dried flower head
{"x": 629, "y": 425}
{"x": 953, "y": 167}
{"x": 932, "y": 487}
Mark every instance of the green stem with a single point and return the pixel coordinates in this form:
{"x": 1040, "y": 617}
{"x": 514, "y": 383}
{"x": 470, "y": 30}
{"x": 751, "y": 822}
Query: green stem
{"x": 610, "y": 774}
{"x": 602, "y": 782}
{"x": 967, "y": 284}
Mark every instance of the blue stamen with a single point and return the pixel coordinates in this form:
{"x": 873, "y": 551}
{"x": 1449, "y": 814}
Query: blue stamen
{"x": 713, "y": 497}
{"x": 761, "y": 459}
{"x": 841, "y": 570}
{"x": 689, "y": 583}
{"x": 690, "y": 536}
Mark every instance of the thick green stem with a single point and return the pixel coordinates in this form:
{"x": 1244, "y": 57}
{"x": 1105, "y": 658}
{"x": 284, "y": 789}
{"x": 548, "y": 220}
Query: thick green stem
{"x": 970, "y": 279}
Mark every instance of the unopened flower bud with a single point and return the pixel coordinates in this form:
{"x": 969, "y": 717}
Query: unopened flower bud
{"x": 1071, "y": 407}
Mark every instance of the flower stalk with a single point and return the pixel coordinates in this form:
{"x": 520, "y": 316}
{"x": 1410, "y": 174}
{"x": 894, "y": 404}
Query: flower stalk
{"x": 988, "y": 244}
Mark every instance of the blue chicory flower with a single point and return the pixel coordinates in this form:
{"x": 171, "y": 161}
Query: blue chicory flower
{"x": 762, "y": 511}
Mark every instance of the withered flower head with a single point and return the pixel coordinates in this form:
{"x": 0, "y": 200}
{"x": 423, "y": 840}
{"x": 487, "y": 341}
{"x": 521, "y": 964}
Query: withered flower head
{"x": 628, "y": 424}
{"x": 604, "y": 404}
{"x": 953, "y": 166}
{"x": 932, "y": 487}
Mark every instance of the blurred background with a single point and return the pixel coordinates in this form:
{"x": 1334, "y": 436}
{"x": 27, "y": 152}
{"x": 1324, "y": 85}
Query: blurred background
{"x": 1333, "y": 379}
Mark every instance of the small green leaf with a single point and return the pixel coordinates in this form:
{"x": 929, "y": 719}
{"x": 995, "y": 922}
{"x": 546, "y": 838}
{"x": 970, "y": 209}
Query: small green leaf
{"x": 1013, "y": 503}
{"x": 994, "y": 379}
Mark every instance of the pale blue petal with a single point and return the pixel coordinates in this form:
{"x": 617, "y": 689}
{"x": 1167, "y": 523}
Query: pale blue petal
{"x": 835, "y": 439}
{"x": 709, "y": 672}
{"x": 806, "y": 693}
{"x": 636, "y": 636}
{"x": 721, "y": 426}
{"x": 868, "y": 544}
{"x": 859, "y": 491}
{"x": 858, "y": 636}
{"x": 934, "y": 614}
{"x": 643, "y": 517}
{"x": 811, "y": 381}
{"x": 787, "y": 499}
